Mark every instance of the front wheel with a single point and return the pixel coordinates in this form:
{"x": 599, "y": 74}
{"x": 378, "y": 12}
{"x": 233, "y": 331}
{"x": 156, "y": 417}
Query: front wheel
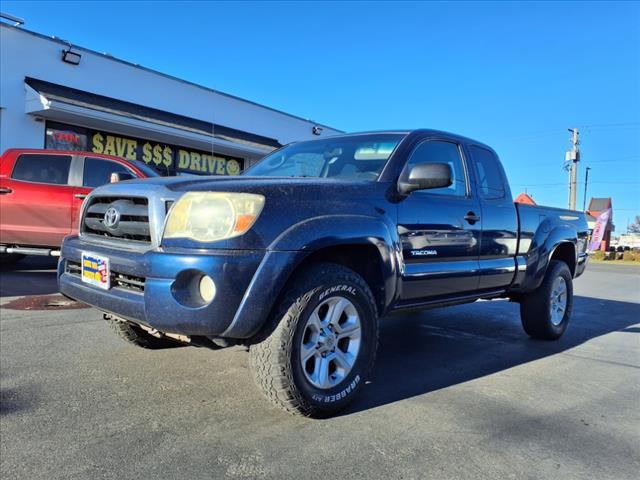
{"x": 320, "y": 348}
{"x": 545, "y": 312}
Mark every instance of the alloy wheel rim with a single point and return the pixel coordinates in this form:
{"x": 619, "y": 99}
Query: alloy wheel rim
{"x": 330, "y": 342}
{"x": 558, "y": 303}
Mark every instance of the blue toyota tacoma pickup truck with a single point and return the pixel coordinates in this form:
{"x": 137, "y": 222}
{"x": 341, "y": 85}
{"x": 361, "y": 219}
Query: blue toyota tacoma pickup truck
{"x": 298, "y": 257}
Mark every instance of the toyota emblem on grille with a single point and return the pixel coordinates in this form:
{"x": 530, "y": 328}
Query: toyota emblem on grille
{"x": 111, "y": 217}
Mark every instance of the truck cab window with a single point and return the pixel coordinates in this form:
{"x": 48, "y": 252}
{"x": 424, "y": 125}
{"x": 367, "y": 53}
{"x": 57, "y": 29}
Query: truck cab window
{"x": 491, "y": 179}
{"x": 52, "y": 169}
{"x": 98, "y": 172}
{"x": 437, "y": 151}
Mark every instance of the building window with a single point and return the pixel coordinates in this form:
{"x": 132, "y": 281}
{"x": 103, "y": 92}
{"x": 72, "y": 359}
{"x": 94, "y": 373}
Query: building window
{"x": 166, "y": 159}
{"x": 60, "y": 137}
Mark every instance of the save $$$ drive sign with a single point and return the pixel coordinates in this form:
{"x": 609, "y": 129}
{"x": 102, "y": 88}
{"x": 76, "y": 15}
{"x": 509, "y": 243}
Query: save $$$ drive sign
{"x": 167, "y": 159}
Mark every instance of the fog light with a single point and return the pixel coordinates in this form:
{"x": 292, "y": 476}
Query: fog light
{"x": 207, "y": 288}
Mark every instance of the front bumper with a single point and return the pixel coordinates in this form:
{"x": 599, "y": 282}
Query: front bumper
{"x": 235, "y": 272}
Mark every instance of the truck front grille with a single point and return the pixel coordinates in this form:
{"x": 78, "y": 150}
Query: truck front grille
{"x": 124, "y": 218}
{"x": 118, "y": 280}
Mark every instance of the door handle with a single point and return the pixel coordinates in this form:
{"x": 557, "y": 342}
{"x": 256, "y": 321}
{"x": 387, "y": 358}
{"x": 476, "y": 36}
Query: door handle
{"x": 472, "y": 218}
{"x": 5, "y": 190}
{"x": 81, "y": 196}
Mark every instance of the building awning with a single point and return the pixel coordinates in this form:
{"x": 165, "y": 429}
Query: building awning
{"x": 66, "y": 104}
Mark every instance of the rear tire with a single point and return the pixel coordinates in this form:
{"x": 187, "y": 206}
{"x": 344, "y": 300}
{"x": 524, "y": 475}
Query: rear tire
{"x": 546, "y": 311}
{"x": 319, "y": 347}
{"x": 137, "y": 336}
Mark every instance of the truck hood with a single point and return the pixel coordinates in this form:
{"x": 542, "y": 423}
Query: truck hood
{"x": 288, "y": 201}
{"x": 327, "y": 193}
{"x": 248, "y": 184}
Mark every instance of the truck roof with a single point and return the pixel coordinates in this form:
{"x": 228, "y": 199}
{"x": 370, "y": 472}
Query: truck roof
{"x": 416, "y": 131}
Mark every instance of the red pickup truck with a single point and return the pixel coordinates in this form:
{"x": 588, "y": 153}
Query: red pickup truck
{"x": 41, "y": 192}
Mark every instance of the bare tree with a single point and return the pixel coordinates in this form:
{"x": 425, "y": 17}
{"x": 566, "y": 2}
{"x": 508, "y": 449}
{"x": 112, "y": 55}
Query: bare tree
{"x": 635, "y": 226}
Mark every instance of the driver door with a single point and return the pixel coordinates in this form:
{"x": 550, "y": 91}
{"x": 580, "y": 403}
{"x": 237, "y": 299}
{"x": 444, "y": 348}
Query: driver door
{"x": 440, "y": 230}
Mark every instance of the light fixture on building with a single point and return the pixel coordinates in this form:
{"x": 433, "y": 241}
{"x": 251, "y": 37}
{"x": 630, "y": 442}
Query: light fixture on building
{"x": 70, "y": 57}
{"x": 317, "y": 130}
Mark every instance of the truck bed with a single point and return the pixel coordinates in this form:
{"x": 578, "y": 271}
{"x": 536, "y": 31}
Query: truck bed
{"x": 540, "y": 227}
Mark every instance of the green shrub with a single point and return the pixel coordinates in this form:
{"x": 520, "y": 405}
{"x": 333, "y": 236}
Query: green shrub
{"x": 598, "y": 255}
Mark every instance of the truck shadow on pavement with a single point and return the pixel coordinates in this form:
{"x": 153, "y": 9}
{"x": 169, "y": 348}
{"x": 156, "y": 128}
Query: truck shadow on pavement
{"x": 429, "y": 351}
{"x": 12, "y": 400}
{"x": 30, "y": 276}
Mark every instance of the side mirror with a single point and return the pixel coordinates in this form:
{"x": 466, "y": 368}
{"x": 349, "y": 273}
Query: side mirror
{"x": 424, "y": 176}
{"x": 121, "y": 176}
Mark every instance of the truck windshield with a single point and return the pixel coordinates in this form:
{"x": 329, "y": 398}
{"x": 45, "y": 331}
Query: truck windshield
{"x": 354, "y": 157}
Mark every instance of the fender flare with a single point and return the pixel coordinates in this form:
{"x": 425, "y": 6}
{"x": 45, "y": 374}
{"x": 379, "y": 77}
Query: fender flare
{"x": 289, "y": 250}
{"x": 542, "y": 253}
{"x": 557, "y": 237}
{"x": 336, "y": 230}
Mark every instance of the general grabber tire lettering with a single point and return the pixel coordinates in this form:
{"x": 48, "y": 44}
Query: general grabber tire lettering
{"x": 319, "y": 347}
{"x": 546, "y": 311}
{"x": 137, "y": 336}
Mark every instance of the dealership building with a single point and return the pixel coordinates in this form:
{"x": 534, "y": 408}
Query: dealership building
{"x": 61, "y": 96}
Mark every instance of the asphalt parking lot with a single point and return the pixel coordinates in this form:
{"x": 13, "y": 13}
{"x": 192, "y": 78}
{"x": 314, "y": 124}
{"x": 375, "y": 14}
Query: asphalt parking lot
{"x": 457, "y": 393}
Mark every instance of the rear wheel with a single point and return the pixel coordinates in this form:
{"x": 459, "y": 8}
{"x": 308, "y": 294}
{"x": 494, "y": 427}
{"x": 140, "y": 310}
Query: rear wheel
{"x": 545, "y": 312}
{"x": 321, "y": 345}
{"x": 135, "y": 335}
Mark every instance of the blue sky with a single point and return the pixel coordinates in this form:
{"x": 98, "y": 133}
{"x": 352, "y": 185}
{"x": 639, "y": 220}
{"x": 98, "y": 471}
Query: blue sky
{"x": 514, "y": 75}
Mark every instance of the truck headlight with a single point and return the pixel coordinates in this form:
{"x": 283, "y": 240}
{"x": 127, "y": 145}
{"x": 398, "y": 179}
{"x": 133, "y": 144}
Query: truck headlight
{"x": 212, "y": 216}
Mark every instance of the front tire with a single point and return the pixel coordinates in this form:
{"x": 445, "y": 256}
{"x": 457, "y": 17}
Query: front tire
{"x": 319, "y": 348}
{"x": 546, "y": 311}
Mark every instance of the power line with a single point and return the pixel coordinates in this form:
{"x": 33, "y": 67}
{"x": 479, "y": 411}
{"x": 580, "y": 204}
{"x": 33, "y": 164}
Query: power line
{"x": 559, "y": 131}
{"x": 539, "y": 185}
{"x": 601, "y": 182}
{"x": 628, "y": 158}
{"x": 607, "y": 125}
{"x": 623, "y": 182}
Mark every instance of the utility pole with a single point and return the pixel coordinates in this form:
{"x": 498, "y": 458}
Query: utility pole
{"x": 573, "y": 156}
{"x": 586, "y": 181}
